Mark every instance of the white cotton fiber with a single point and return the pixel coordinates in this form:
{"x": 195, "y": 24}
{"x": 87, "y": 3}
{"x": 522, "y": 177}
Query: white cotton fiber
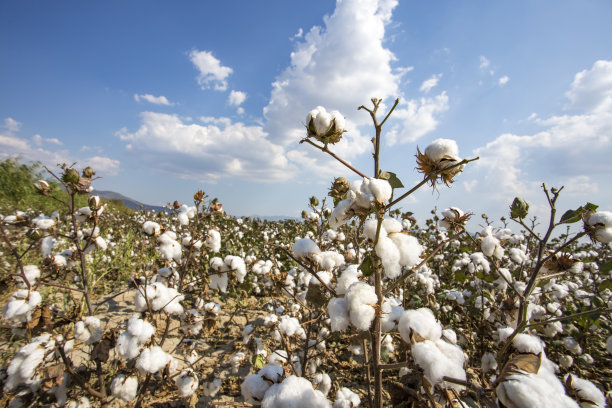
{"x": 23, "y": 365}
{"x": 440, "y": 148}
{"x": 152, "y": 360}
{"x": 124, "y": 387}
{"x": 439, "y": 359}
{"x": 361, "y": 299}
{"x": 295, "y": 392}
{"x": 20, "y": 306}
{"x": 236, "y": 264}
{"x": 305, "y": 248}
{"x": 587, "y": 392}
{"x": 349, "y": 276}
{"x": 380, "y": 189}
{"x": 346, "y": 398}
{"x": 31, "y": 272}
{"x": 187, "y": 383}
{"x": 337, "y": 308}
{"x": 389, "y": 255}
{"x": 409, "y": 248}
{"x": 213, "y": 240}
{"x": 160, "y": 297}
{"x": 328, "y": 260}
{"x": 420, "y": 321}
{"x": 88, "y": 330}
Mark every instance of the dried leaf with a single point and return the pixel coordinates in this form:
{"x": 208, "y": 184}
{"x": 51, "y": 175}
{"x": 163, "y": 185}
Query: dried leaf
{"x": 522, "y": 363}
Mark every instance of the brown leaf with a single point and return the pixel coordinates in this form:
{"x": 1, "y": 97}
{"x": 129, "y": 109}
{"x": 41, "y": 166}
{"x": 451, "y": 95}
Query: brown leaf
{"x": 522, "y": 363}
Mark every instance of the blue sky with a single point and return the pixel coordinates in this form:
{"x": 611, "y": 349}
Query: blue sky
{"x": 164, "y": 98}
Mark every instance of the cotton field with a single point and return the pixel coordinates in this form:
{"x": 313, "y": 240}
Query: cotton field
{"x": 357, "y": 304}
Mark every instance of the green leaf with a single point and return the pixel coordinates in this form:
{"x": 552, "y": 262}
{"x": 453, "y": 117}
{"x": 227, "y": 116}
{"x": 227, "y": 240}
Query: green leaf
{"x": 605, "y": 268}
{"x": 607, "y": 284}
{"x": 460, "y": 276}
{"x": 258, "y": 362}
{"x": 571, "y": 216}
{"x": 392, "y": 179}
{"x": 384, "y": 355}
{"x": 367, "y": 266}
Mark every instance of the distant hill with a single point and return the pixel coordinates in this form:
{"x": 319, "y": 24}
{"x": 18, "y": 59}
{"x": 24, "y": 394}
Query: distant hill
{"x": 127, "y": 201}
{"x": 274, "y": 217}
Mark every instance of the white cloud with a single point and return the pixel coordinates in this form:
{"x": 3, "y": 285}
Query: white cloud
{"x": 38, "y": 140}
{"x": 236, "y": 98}
{"x": 592, "y": 89}
{"x": 339, "y": 66}
{"x": 484, "y": 62}
{"x": 579, "y": 185}
{"x": 571, "y": 148}
{"x": 418, "y": 117}
{"x": 430, "y": 83}
{"x": 503, "y": 80}
{"x": 156, "y": 100}
{"x": 12, "y": 145}
{"x": 217, "y": 149}
{"x": 12, "y": 125}
{"x": 212, "y": 73}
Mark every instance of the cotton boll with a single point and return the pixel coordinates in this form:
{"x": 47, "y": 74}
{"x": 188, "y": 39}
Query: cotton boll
{"x": 589, "y": 396}
{"x": 440, "y": 148}
{"x": 237, "y": 264}
{"x": 83, "y": 402}
{"x": 89, "y": 330}
{"x": 349, "y": 276}
{"x": 572, "y": 345}
{"x": 381, "y": 189}
{"x": 360, "y": 297}
{"x": 296, "y": 392}
{"x": 212, "y": 388}
{"x": 340, "y": 214}
{"x": 328, "y": 260}
{"x": 213, "y": 240}
{"x": 46, "y": 246}
{"x": 420, "y": 321}
{"x": 187, "y": 383}
{"x": 20, "y": 306}
{"x": 124, "y": 387}
{"x": 337, "y": 309}
{"x": 409, "y": 248}
{"x": 305, "y": 248}
{"x": 219, "y": 282}
{"x": 152, "y": 360}
{"x": 322, "y": 382}
{"x": 288, "y": 325}
{"x": 439, "y": 359}
{"x": 566, "y": 361}
{"x": 491, "y": 246}
{"x": 370, "y": 227}
{"x": 527, "y": 343}
{"x": 23, "y": 366}
{"x": 253, "y": 389}
{"x": 32, "y": 273}
{"x": 151, "y": 228}
{"x": 518, "y": 256}
{"x": 603, "y": 221}
{"x": 389, "y": 255}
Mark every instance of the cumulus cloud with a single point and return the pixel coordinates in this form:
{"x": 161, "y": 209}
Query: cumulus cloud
{"x": 13, "y": 145}
{"x": 156, "y": 100}
{"x": 212, "y": 73}
{"x": 236, "y": 98}
{"x": 484, "y": 62}
{"x": 592, "y": 88}
{"x": 430, "y": 83}
{"x": 418, "y": 118}
{"x": 503, "y": 80}
{"x": 570, "y": 148}
{"x": 211, "y": 150}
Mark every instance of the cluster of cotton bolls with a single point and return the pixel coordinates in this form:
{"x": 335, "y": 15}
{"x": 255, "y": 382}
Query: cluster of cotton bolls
{"x": 539, "y": 386}
{"x": 362, "y": 196}
{"x": 437, "y": 355}
{"x": 130, "y": 340}
{"x": 158, "y": 297}
{"x": 20, "y": 306}
{"x": 394, "y": 248}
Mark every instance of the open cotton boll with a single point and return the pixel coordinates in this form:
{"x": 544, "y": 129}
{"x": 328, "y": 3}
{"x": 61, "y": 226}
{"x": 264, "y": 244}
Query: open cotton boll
{"x": 124, "y": 387}
{"x": 88, "y": 330}
{"x": 392, "y": 311}
{"x": 440, "y": 148}
{"x": 328, "y": 260}
{"x": 140, "y": 329}
{"x": 490, "y": 246}
{"x": 23, "y": 365}
{"x": 213, "y": 240}
{"x": 254, "y": 386}
{"x": 420, "y": 321}
{"x": 32, "y": 273}
{"x": 305, "y": 248}
{"x": 187, "y": 383}
{"x": 389, "y": 255}
{"x": 236, "y": 263}
{"x": 219, "y": 281}
{"x": 603, "y": 221}
{"x": 337, "y": 309}
{"x": 152, "y": 360}
{"x": 361, "y": 299}
{"x": 46, "y": 246}
{"x": 488, "y": 362}
{"x": 517, "y": 255}
{"x": 381, "y": 189}
{"x": 589, "y": 396}
{"x": 295, "y": 392}
{"x": 160, "y": 297}
{"x": 345, "y": 398}
{"x": 20, "y": 306}
{"x": 349, "y": 276}
{"x": 322, "y": 382}
{"x": 288, "y": 325}
{"x": 369, "y": 229}
{"x": 151, "y": 228}
{"x": 340, "y": 214}
{"x": 212, "y": 388}
{"x": 410, "y": 249}
{"x": 439, "y": 359}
